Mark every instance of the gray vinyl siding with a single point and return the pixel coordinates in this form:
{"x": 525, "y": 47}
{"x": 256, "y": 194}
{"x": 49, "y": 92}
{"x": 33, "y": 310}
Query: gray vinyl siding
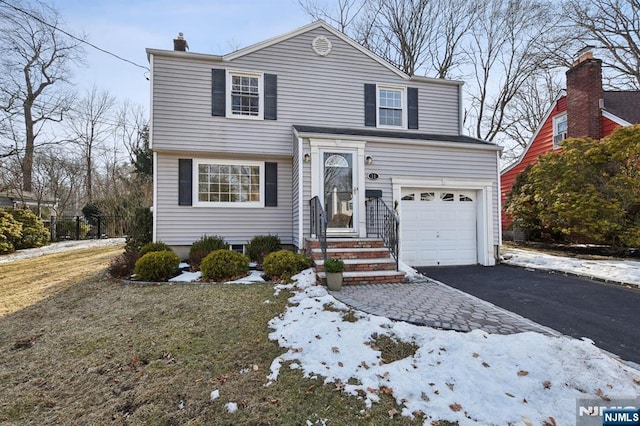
{"x": 397, "y": 160}
{"x": 409, "y": 161}
{"x": 312, "y": 90}
{"x": 181, "y": 225}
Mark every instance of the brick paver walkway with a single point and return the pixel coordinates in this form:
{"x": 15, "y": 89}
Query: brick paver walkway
{"x": 429, "y": 302}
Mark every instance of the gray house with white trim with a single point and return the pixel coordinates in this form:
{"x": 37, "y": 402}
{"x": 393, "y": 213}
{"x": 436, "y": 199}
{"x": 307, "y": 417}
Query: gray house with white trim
{"x": 243, "y": 142}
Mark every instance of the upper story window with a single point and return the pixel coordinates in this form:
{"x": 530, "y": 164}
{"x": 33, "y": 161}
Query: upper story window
{"x": 391, "y": 107}
{"x": 559, "y": 129}
{"x": 245, "y": 94}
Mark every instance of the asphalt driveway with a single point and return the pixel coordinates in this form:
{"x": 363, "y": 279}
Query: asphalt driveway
{"x": 608, "y": 314}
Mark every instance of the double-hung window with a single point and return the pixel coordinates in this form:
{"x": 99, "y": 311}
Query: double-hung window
{"x": 233, "y": 184}
{"x": 391, "y": 107}
{"x": 559, "y": 129}
{"x": 245, "y": 95}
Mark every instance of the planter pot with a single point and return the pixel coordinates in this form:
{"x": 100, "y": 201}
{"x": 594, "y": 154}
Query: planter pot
{"x": 334, "y": 280}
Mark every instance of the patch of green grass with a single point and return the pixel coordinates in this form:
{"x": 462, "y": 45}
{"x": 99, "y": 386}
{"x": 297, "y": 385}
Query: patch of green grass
{"x": 391, "y": 348}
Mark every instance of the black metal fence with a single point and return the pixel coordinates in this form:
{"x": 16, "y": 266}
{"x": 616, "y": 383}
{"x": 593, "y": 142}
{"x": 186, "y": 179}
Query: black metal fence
{"x": 80, "y": 228}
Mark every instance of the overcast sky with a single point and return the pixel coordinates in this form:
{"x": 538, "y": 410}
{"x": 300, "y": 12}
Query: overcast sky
{"x": 126, "y": 28}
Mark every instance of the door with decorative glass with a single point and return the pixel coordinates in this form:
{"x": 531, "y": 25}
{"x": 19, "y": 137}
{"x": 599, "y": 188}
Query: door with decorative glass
{"x": 339, "y": 191}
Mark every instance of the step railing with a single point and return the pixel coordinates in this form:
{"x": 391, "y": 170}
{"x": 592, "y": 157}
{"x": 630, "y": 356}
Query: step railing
{"x": 319, "y": 224}
{"x": 383, "y": 223}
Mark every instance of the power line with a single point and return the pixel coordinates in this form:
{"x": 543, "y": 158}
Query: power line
{"x": 72, "y": 36}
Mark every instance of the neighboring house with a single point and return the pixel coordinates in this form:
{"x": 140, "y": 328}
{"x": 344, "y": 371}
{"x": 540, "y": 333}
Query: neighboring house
{"x": 243, "y": 142}
{"x": 583, "y": 110}
{"x": 24, "y": 199}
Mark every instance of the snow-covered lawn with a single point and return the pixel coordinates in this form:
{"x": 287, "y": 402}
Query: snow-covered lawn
{"x": 624, "y": 271}
{"x": 472, "y": 378}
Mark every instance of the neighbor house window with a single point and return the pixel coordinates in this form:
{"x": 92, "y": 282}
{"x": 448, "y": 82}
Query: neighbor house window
{"x": 236, "y": 184}
{"x": 245, "y": 95}
{"x": 391, "y": 107}
{"x": 559, "y": 129}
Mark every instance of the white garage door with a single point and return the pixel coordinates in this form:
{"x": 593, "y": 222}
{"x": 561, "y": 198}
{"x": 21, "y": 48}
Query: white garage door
{"x": 438, "y": 227}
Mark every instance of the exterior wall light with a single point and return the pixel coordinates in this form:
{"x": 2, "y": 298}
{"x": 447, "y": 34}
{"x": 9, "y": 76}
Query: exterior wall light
{"x": 307, "y": 158}
{"x": 369, "y": 160}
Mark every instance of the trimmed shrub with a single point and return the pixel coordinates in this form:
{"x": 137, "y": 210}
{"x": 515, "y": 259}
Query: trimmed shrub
{"x": 202, "y": 247}
{"x": 123, "y": 265}
{"x": 140, "y": 232}
{"x": 151, "y": 247}
{"x": 284, "y": 264}
{"x": 34, "y": 233}
{"x": 262, "y": 245}
{"x": 91, "y": 212}
{"x": 222, "y": 265}
{"x": 157, "y": 266}
{"x": 10, "y": 232}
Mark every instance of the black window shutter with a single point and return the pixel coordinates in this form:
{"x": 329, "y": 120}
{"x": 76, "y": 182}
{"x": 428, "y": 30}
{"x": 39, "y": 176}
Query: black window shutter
{"x": 218, "y": 92}
{"x": 270, "y": 97}
{"x": 271, "y": 184}
{"x": 412, "y": 107}
{"x": 370, "y": 105}
{"x": 184, "y": 182}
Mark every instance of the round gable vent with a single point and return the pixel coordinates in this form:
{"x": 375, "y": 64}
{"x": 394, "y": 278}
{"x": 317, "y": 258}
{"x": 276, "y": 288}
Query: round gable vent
{"x": 321, "y": 45}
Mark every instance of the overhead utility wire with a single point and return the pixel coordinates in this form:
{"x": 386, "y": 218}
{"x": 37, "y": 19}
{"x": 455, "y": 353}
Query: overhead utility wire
{"x": 72, "y": 36}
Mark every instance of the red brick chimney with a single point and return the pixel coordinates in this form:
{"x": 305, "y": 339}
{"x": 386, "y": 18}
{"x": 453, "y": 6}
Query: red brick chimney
{"x": 585, "y": 97}
{"x": 180, "y": 44}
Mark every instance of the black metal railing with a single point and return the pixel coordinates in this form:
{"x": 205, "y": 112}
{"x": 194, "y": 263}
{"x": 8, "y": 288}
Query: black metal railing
{"x": 383, "y": 223}
{"x": 319, "y": 224}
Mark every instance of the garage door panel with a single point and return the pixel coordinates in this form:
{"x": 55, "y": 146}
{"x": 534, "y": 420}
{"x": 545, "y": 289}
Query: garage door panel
{"x": 440, "y": 231}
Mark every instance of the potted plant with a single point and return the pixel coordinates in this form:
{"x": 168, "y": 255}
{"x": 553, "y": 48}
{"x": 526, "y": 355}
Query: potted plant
{"x": 333, "y": 269}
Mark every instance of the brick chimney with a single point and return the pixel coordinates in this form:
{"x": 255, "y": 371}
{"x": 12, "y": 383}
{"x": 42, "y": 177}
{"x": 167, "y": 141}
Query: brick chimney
{"x": 180, "y": 44}
{"x": 585, "y": 97}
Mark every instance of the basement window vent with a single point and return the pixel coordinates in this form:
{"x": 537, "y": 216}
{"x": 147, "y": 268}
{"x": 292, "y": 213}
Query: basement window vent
{"x": 321, "y": 45}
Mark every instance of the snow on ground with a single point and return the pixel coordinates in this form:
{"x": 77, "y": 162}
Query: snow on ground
{"x": 186, "y": 277}
{"x": 472, "y": 378}
{"x": 624, "y": 271}
{"x": 59, "y": 248}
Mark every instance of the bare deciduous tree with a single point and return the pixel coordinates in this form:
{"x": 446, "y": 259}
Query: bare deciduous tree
{"x": 55, "y": 177}
{"x": 342, "y": 16}
{"x": 614, "y": 27}
{"x": 508, "y": 47}
{"x": 34, "y": 75}
{"x": 90, "y": 127}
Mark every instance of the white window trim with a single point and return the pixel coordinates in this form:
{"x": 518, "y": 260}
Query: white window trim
{"x": 555, "y": 120}
{"x": 248, "y": 204}
{"x": 405, "y": 114}
{"x": 228, "y": 87}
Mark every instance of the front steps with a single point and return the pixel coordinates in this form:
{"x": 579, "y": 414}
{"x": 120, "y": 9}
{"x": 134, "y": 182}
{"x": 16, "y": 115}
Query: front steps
{"x": 366, "y": 260}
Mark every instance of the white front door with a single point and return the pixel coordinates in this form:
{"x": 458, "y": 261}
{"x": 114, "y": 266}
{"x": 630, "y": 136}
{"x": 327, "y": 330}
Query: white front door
{"x": 339, "y": 189}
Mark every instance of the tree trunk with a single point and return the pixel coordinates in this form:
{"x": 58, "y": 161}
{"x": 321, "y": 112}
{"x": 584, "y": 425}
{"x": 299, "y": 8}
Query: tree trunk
{"x": 27, "y": 160}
